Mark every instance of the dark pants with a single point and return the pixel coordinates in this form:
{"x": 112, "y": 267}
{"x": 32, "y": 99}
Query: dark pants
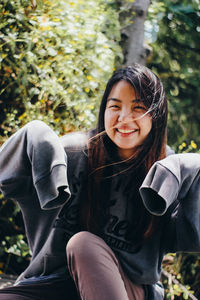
{"x": 61, "y": 290}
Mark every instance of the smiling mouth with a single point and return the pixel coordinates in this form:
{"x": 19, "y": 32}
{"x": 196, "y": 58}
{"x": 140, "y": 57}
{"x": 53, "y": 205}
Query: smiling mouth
{"x": 126, "y": 130}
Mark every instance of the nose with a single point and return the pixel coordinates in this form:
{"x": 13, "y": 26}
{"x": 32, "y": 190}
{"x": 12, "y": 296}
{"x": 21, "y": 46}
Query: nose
{"x": 125, "y": 116}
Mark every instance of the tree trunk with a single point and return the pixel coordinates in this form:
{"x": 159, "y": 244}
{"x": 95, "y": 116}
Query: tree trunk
{"x": 132, "y": 36}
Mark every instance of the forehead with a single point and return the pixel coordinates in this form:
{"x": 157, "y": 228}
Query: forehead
{"x": 123, "y": 90}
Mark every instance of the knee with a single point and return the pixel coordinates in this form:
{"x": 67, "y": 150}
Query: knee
{"x": 86, "y": 250}
{"x": 81, "y": 245}
{"x": 77, "y": 242}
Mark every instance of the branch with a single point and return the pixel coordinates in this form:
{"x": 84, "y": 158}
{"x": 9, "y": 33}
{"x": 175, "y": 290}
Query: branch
{"x": 174, "y": 280}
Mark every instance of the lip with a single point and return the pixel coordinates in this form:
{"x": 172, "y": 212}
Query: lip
{"x": 126, "y": 131}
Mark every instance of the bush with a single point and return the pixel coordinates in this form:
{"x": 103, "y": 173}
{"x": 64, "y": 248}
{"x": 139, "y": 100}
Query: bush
{"x": 175, "y": 57}
{"x": 55, "y": 60}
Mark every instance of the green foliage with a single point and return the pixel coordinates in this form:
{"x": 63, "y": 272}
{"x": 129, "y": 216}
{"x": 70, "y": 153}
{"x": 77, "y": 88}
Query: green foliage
{"x": 189, "y": 268}
{"x": 182, "y": 279}
{"x": 14, "y": 253}
{"x": 16, "y": 245}
{"x": 187, "y": 148}
{"x": 55, "y": 61}
{"x": 174, "y": 28}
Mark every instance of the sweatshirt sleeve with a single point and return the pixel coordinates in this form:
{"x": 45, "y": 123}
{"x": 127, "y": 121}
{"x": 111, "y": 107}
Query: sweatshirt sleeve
{"x": 176, "y": 177}
{"x": 34, "y": 159}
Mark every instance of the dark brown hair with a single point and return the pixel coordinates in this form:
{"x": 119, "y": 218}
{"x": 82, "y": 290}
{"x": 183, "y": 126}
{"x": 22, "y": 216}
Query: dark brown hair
{"x": 150, "y": 90}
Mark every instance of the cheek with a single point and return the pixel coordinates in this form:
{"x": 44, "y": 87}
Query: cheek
{"x": 148, "y": 125}
{"x": 145, "y": 126}
{"x": 109, "y": 119}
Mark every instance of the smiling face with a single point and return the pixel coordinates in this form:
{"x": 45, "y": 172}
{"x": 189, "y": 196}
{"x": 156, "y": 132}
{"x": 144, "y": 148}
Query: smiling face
{"x": 126, "y": 123}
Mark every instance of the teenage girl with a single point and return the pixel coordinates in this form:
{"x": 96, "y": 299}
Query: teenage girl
{"x": 102, "y": 208}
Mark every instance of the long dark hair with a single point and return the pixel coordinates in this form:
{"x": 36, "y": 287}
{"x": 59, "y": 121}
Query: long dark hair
{"x": 150, "y": 90}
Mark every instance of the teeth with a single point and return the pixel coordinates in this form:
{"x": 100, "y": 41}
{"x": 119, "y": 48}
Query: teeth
{"x": 125, "y": 130}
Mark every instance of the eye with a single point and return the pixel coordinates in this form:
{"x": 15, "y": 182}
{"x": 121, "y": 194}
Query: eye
{"x": 114, "y": 106}
{"x": 139, "y": 108}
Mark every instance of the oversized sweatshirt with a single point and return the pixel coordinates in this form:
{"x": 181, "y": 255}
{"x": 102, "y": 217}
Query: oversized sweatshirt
{"x": 47, "y": 176}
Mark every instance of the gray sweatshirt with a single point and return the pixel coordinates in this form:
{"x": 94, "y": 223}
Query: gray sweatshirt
{"x": 47, "y": 176}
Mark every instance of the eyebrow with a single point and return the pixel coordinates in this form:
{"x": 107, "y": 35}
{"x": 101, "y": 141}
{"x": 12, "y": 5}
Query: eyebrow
{"x": 118, "y": 100}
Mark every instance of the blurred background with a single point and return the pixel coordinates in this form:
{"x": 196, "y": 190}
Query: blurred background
{"x": 55, "y": 60}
